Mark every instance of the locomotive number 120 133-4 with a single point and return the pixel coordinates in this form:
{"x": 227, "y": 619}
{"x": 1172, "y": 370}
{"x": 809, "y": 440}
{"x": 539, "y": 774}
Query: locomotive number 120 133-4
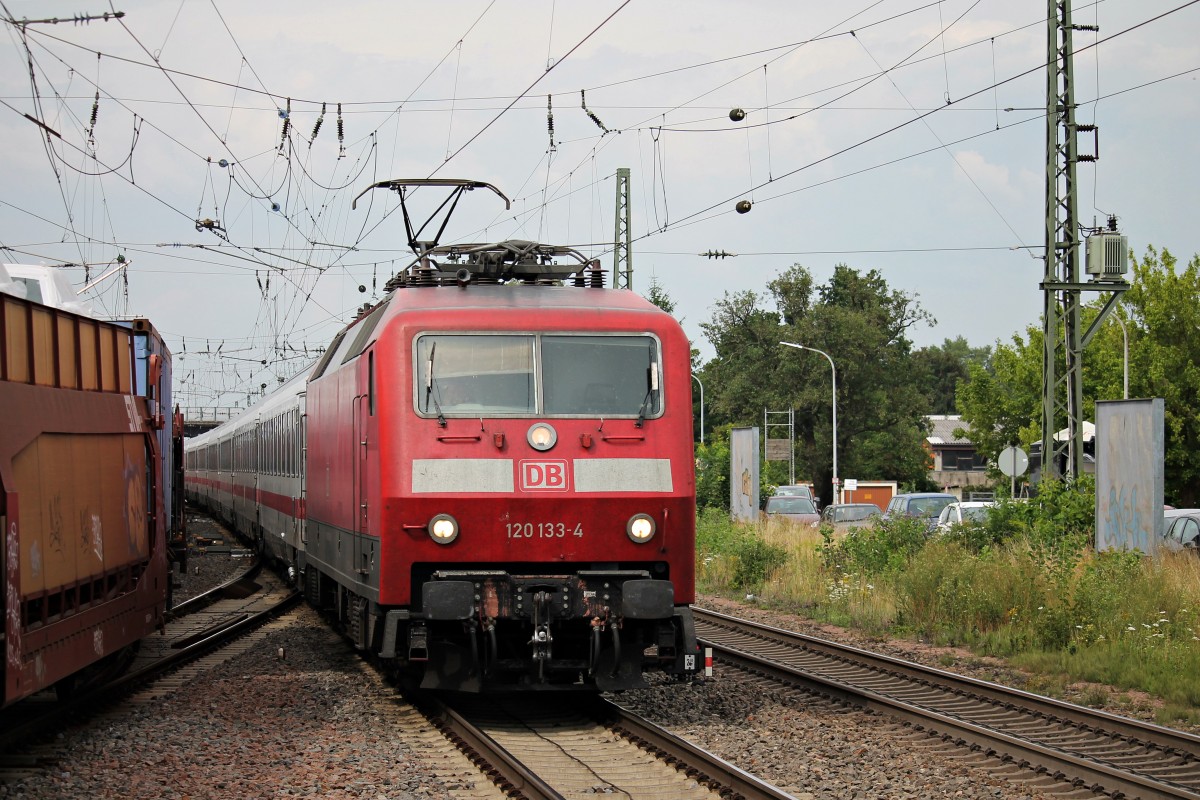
{"x": 543, "y": 530}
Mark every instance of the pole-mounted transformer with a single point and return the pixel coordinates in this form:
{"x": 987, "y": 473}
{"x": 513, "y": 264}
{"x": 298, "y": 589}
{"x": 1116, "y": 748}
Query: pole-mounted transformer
{"x": 1062, "y": 375}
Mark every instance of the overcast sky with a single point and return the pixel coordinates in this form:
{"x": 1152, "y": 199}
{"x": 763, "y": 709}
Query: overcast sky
{"x": 838, "y": 151}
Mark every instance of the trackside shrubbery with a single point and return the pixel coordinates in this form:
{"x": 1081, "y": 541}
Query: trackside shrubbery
{"x": 1025, "y": 584}
{"x": 886, "y": 547}
{"x": 733, "y": 557}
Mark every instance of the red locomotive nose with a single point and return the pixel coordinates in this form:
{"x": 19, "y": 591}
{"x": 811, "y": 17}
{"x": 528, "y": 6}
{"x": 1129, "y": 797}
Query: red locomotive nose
{"x": 488, "y": 477}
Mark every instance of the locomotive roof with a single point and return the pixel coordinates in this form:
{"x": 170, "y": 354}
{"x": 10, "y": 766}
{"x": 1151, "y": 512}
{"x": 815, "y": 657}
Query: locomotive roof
{"x": 518, "y": 297}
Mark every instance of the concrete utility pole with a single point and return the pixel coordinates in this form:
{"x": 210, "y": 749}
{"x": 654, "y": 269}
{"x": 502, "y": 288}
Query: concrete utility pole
{"x": 1062, "y": 393}
{"x": 622, "y": 254}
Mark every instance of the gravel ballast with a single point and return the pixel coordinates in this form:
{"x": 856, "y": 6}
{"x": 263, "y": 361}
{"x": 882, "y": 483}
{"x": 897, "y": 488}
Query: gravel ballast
{"x": 308, "y": 725}
{"x": 257, "y": 726}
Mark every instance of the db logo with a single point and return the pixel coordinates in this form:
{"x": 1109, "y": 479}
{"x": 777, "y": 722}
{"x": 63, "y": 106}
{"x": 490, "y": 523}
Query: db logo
{"x": 544, "y": 476}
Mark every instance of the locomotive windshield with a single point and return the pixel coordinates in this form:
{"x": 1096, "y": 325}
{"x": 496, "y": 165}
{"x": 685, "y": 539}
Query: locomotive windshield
{"x": 526, "y": 374}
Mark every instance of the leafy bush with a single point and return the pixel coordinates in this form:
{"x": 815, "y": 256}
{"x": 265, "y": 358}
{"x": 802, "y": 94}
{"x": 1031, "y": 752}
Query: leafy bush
{"x": 884, "y": 547}
{"x": 712, "y": 473}
{"x": 1002, "y": 523}
{"x": 756, "y": 559}
{"x": 1062, "y": 513}
{"x": 734, "y": 556}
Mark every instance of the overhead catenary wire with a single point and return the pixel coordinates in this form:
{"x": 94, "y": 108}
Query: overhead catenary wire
{"x": 564, "y": 186}
{"x": 922, "y": 116}
{"x": 391, "y": 104}
{"x": 867, "y": 78}
{"x": 933, "y": 133}
{"x": 529, "y": 88}
{"x": 657, "y": 130}
{"x": 491, "y": 122}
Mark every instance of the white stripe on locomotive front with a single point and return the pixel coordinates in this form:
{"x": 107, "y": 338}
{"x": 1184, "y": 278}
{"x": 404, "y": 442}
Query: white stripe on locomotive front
{"x": 495, "y": 475}
{"x": 623, "y": 475}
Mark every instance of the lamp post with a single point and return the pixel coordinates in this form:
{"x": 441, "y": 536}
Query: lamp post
{"x": 836, "y": 489}
{"x": 697, "y": 380}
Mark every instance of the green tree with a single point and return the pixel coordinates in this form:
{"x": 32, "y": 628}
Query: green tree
{"x": 1002, "y": 403}
{"x": 942, "y": 367}
{"x": 660, "y": 296}
{"x": 863, "y": 325}
{"x": 1164, "y": 301}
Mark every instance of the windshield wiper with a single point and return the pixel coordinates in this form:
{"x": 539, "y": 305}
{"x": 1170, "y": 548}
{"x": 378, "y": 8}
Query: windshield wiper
{"x": 652, "y": 382}
{"x": 429, "y": 393}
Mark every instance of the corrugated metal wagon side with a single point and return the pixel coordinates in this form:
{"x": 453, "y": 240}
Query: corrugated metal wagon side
{"x": 84, "y": 563}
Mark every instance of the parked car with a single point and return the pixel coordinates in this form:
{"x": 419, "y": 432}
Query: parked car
{"x": 793, "y": 507}
{"x": 958, "y": 513}
{"x": 1181, "y": 529}
{"x": 922, "y": 505}
{"x": 795, "y": 490}
{"x": 846, "y": 516}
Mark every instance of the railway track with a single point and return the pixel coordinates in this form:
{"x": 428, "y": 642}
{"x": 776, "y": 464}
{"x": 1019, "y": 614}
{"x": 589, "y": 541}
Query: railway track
{"x": 207, "y": 629}
{"x": 549, "y": 748}
{"x": 1078, "y": 747}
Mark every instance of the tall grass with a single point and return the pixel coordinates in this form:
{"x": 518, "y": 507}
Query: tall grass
{"x": 1016, "y": 590}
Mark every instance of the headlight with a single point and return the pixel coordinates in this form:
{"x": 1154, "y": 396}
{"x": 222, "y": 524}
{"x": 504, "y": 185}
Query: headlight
{"x": 541, "y": 436}
{"x": 640, "y": 528}
{"x": 443, "y": 529}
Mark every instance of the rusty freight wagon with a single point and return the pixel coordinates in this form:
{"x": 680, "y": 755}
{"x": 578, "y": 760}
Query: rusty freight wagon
{"x": 84, "y": 565}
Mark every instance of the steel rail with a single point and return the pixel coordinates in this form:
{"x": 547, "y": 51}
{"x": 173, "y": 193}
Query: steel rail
{"x": 709, "y": 768}
{"x": 1080, "y": 770}
{"x": 502, "y": 767}
{"x": 230, "y": 588}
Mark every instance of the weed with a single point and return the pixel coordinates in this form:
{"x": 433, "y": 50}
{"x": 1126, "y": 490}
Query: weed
{"x": 1095, "y": 696}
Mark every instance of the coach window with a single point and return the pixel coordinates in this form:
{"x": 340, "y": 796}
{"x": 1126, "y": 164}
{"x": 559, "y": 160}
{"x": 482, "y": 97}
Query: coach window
{"x": 475, "y": 374}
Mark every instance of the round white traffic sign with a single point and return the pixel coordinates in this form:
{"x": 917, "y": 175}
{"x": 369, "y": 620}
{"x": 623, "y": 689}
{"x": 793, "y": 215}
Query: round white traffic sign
{"x": 1013, "y": 461}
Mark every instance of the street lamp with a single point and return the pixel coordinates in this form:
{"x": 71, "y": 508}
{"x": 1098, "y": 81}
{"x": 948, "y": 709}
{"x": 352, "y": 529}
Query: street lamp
{"x": 697, "y": 380}
{"x": 836, "y": 490}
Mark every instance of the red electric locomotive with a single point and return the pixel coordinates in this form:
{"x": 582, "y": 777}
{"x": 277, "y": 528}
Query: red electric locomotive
{"x": 85, "y": 468}
{"x": 498, "y": 483}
